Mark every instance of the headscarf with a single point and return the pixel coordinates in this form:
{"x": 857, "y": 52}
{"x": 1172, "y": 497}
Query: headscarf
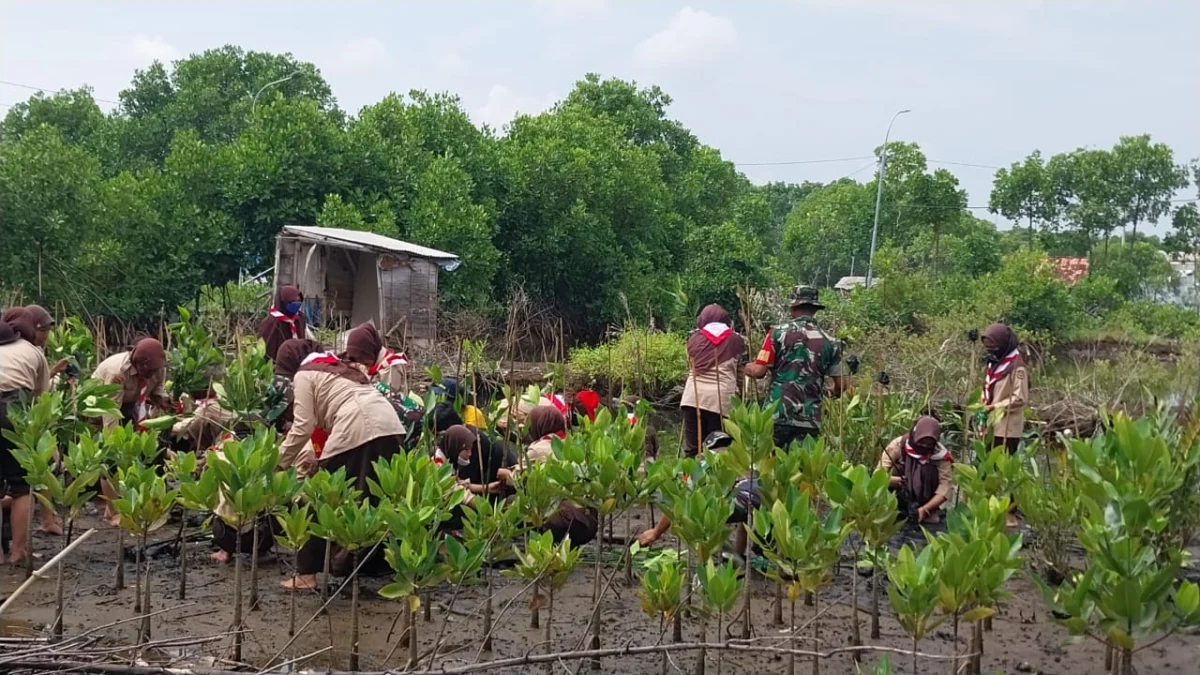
{"x": 291, "y": 355}
{"x": 41, "y": 318}
{"x": 714, "y": 341}
{"x": 21, "y": 321}
{"x": 148, "y": 356}
{"x": 363, "y": 344}
{"x": 1002, "y": 360}
{"x": 7, "y": 334}
{"x": 920, "y": 467}
{"x": 546, "y": 420}
{"x": 277, "y": 327}
{"x": 457, "y": 438}
{"x": 444, "y": 416}
{"x": 326, "y": 362}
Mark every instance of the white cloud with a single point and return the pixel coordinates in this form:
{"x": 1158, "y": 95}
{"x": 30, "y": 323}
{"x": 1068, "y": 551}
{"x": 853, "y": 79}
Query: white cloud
{"x": 148, "y": 48}
{"x": 503, "y": 105}
{"x": 692, "y": 36}
{"x": 365, "y": 53}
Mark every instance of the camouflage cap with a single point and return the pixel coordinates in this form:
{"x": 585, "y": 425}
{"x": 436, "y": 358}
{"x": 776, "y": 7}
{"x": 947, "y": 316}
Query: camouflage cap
{"x": 805, "y": 296}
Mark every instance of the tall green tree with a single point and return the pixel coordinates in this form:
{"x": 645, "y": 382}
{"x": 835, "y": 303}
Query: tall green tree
{"x": 1147, "y": 177}
{"x": 1026, "y": 191}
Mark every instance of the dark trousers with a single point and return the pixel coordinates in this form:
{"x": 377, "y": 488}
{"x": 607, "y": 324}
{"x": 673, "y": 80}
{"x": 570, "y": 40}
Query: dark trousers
{"x": 579, "y": 524}
{"x": 1010, "y": 444}
{"x": 226, "y": 537}
{"x": 358, "y": 463}
{"x": 695, "y": 431}
{"x": 784, "y": 434}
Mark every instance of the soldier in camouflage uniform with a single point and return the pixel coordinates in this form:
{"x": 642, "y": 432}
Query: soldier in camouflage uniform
{"x": 799, "y": 356}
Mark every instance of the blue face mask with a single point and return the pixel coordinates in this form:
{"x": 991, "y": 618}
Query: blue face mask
{"x": 292, "y": 308}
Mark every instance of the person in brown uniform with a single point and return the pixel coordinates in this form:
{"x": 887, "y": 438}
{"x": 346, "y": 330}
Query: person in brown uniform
{"x": 284, "y": 321}
{"x": 363, "y": 427}
{"x": 714, "y": 352}
{"x": 922, "y": 470}
{"x": 1006, "y": 386}
{"x": 384, "y": 367}
{"x": 24, "y": 374}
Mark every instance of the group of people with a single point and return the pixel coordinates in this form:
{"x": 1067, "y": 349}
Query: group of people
{"x": 347, "y": 409}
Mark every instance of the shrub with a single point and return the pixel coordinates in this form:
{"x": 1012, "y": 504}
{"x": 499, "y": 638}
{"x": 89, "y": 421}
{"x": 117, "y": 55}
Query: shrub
{"x": 1027, "y": 294}
{"x": 1144, "y": 318}
{"x": 635, "y": 358}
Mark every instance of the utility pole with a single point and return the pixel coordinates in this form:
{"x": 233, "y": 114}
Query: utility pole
{"x": 879, "y": 195}
{"x": 254, "y": 101}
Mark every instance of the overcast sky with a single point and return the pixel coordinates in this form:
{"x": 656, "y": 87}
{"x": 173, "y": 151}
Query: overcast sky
{"x": 764, "y": 81}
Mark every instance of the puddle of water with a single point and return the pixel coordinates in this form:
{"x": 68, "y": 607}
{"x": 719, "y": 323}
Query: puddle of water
{"x": 16, "y": 628}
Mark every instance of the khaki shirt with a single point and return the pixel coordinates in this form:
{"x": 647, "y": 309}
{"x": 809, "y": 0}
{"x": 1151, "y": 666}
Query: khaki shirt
{"x": 393, "y": 375}
{"x": 118, "y": 369}
{"x": 353, "y": 414}
{"x": 208, "y": 411}
{"x": 1010, "y": 397}
{"x": 23, "y": 367}
{"x": 713, "y": 389}
{"x": 893, "y": 456}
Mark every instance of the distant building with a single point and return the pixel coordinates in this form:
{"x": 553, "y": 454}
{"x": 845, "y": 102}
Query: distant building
{"x": 847, "y": 284}
{"x": 1071, "y": 270}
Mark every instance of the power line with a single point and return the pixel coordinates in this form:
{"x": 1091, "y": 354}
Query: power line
{"x": 806, "y": 161}
{"x": 977, "y": 166}
{"x": 51, "y": 89}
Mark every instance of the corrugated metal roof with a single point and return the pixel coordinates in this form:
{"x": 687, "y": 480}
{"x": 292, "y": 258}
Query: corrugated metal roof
{"x": 372, "y": 242}
{"x": 1071, "y": 270}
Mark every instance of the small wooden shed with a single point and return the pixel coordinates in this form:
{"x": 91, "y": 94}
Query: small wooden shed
{"x": 350, "y": 277}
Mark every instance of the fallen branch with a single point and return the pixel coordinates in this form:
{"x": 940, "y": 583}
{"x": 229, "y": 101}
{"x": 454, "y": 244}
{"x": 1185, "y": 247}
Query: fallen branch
{"x": 45, "y": 568}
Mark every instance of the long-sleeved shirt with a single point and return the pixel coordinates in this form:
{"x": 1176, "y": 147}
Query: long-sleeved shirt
{"x": 23, "y": 367}
{"x": 1010, "y": 396}
{"x": 352, "y": 413}
{"x": 118, "y": 369}
{"x": 893, "y": 459}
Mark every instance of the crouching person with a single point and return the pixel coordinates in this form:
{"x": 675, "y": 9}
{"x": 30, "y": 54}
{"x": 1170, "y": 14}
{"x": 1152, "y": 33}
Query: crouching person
{"x": 225, "y": 530}
{"x": 922, "y": 471}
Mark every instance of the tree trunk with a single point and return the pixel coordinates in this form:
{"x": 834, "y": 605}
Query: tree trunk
{"x": 1127, "y": 662}
{"x": 29, "y": 533}
{"x": 550, "y": 623}
{"x": 325, "y": 576}
{"x": 145, "y": 631}
{"x": 487, "y": 608}
{"x": 413, "y": 645}
{"x": 353, "y": 614}
{"x": 855, "y": 631}
{"x": 777, "y": 614}
{"x": 57, "y": 631}
{"x": 292, "y": 610}
{"x": 816, "y": 633}
{"x": 237, "y": 600}
{"x": 702, "y": 655}
{"x": 137, "y": 579}
{"x": 662, "y": 665}
{"x": 628, "y": 544}
{"x": 595, "y": 620}
{"x": 183, "y": 557}
{"x": 428, "y": 608}
{"x": 977, "y": 649}
{"x": 120, "y": 582}
{"x": 914, "y": 655}
{"x": 792, "y": 640}
{"x": 1108, "y": 655}
{"x": 875, "y": 599}
{"x": 253, "y": 569}
{"x": 954, "y": 661}
{"x": 534, "y": 615}
{"x": 746, "y": 624}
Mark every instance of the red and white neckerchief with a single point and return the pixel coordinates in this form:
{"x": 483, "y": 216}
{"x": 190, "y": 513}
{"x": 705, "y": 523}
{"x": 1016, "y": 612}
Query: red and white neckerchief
{"x": 558, "y": 401}
{"x": 318, "y": 438}
{"x": 140, "y": 411}
{"x": 558, "y": 434}
{"x": 439, "y": 457}
{"x": 939, "y": 455}
{"x": 289, "y": 320}
{"x": 716, "y": 332}
{"x": 632, "y": 419}
{"x": 998, "y": 372}
{"x": 389, "y": 359}
{"x": 320, "y": 357}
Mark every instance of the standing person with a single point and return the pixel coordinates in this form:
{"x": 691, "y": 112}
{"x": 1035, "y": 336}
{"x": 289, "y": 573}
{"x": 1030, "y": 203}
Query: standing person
{"x": 384, "y": 367}
{"x": 799, "y": 356}
{"x": 362, "y": 425}
{"x": 1006, "y": 387}
{"x": 141, "y": 373}
{"x": 43, "y": 322}
{"x": 284, "y": 321}
{"x": 714, "y": 352}
{"x": 24, "y": 373}
{"x": 921, "y": 469}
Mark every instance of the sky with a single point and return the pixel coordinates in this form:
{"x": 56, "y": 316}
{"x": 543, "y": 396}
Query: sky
{"x": 780, "y": 87}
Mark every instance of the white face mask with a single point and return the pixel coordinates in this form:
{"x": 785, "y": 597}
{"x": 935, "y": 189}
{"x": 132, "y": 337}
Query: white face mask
{"x": 464, "y": 461}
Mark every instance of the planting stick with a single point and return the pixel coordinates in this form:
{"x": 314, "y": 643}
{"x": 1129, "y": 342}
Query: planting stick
{"x": 57, "y": 632}
{"x": 137, "y": 579}
{"x": 120, "y": 582}
{"x": 44, "y": 568}
{"x": 325, "y": 576}
{"x": 29, "y": 536}
{"x": 792, "y": 640}
{"x": 237, "y": 598}
{"x": 146, "y": 586}
{"x": 875, "y": 597}
{"x": 856, "y": 632}
{"x": 182, "y": 558}
{"x": 487, "y": 610}
{"x": 816, "y": 633}
{"x": 353, "y": 617}
{"x": 595, "y": 621}
{"x": 254, "y": 569}
{"x": 412, "y": 633}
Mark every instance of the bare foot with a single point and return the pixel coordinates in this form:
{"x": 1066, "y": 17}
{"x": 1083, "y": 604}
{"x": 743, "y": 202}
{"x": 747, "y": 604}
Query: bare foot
{"x": 220, "y": 556}
{"x": 16, "y": 558}
{"x": 52, "y": 527}
{"x": 300, "y": 582}
{"x": 1013, "y": 523}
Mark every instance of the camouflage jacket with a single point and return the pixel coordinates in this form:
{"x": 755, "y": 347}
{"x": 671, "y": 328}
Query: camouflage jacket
{"x": 800, "y": 356}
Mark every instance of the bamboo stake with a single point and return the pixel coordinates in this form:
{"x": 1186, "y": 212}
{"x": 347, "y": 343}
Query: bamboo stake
{"x": 40, "y": 573}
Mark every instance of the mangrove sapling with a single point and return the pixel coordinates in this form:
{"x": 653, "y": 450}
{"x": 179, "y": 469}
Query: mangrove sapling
{"x": 913, "y": 593}
{"x": 721, "y": 588}
{"x": 495, "y": 527}
{"x": 193, "y": 358}
{"x": 196, "y": 493}
{"x": 34, "y": 424}
{"x": 83, "y": 463}
{"x": 462, "y": 566}
{"x": 540, "y": 499}
{"x": 553, "y": 564}
{"x": 869, "y": 507}
{"x": 320, "y": 488}
{"x": 246, "y": 386}
{"x": 144, "y": 505}
{"x": 960, "y": 563}
{"x": 986, "y": 520}
{"x": 802, "y": 548}
{"x": 417, "y": 496}
{"x": 355, "y": 526}
{"x": 661, "y": 589}
{"x": 752, "y": 428}
{"x": 295, "y": 525}
{"x": 699, "y": 511}
{"x": 1051, "y": 507}
{"x": 125, "y": 447}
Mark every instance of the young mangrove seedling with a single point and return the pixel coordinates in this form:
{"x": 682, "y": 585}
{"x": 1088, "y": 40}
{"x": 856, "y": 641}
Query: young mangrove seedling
{"x": 144, "y": 505}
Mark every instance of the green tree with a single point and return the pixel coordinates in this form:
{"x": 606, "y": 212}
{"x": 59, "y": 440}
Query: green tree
{"x": 828, "y": 234}
{"x": 1184, "y": 240}
{"x": 1025, "y": 192}
{"x": 1147, "y": 178}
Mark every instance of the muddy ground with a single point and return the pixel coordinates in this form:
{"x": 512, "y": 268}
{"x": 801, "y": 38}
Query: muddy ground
{"x": 1022, "y": 640}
